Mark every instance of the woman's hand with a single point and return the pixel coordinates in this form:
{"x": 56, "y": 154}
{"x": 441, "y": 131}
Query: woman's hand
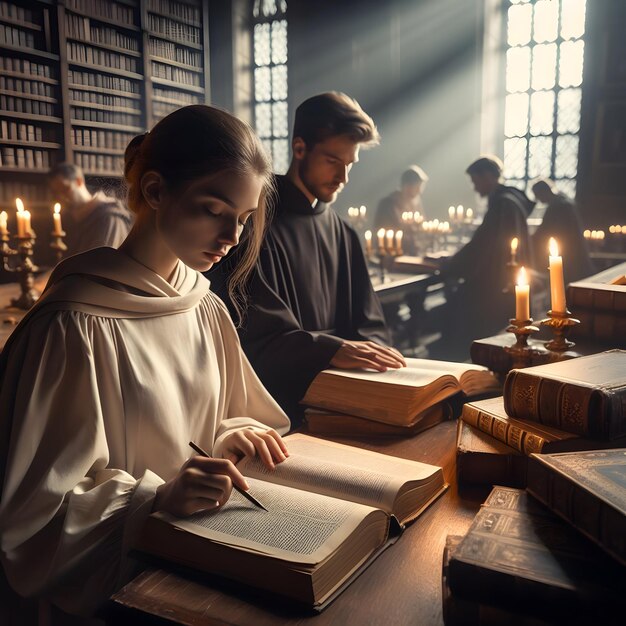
{"x": 267, "y": 444}
{"x": 201, "y": 484}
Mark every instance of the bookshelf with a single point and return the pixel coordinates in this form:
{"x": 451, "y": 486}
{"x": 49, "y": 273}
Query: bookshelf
{"x": 80, "y": 78}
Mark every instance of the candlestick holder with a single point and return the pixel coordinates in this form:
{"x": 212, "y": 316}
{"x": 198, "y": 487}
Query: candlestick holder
{"x": 25, "y": 268}
{"x": 560, "y": 324}
{"x": 57, "y": 243}
{"x": 522, "y": 329}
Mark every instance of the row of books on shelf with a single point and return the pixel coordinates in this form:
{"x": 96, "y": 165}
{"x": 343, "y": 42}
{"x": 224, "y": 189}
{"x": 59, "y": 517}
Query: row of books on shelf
{"x": 99, "y": 162}
{"x": 184, "y": 33}
{"x": 176, "y": 74}
{"x": 104, "y": 8}
{"x": 27, "y": 87}
{"x": 24, "y": 158}
{"x": 20, "y": 132}
{"x": 24, "y": 66}
{"x": 102, "y": 81}
{"x": 80, "y": 114}
{"x": 177, "y": 10}
{"x": 12, "y": 11}
{"x": 11, "y": 189}
{"x": 25, "y": 105}
{"x": 79, "y": 27}
{"x": 532, "y": 557}
{"x": 180, "y": 97}
{"x": 171, "y": 52}
{"x": 86, "y": 137}
{"x": 78, "y": 96}
{"x": 161, "y": 109}
{"x": 12, "y": 36}
{"x": 80, "y": 53}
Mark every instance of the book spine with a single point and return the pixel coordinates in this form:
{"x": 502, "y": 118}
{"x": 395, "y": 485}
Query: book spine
{"x": 603, "y": 298}
{"x": 502, "y": 430}
{"x": 595, "y": 413}
{"x": 582, "y": 509}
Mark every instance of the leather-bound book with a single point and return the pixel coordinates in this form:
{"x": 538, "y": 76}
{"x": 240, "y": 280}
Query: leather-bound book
{"x": 586, "y": 396}
{"x": 527, "y": 437}
{"x": 588, "y": 489}
{"x": 483, "y": 460}
{"x": 519, "y": 556}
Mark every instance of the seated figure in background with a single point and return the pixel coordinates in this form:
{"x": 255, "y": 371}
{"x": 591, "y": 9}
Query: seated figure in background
{"x": 561, "y": 221}
{"x": 483, "y": 302}
{"x": 95, "y": 219}
{"x": 406, "y": 199}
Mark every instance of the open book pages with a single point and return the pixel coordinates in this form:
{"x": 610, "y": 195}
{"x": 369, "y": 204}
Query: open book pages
{"x": 301, "y": 527}
{"x": 397, "y": 486}
{"x": 397, "y": 396}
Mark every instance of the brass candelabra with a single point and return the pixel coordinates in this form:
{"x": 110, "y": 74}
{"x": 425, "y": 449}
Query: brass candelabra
{"x": 560, "y": 324}
{"x": 25, "y": 268}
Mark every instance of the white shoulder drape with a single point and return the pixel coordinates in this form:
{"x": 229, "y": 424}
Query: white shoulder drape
{"x": 102, "y": 390}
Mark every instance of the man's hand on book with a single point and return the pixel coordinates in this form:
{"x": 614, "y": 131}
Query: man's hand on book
{"x": 268, "y": 445}
{"x": 367, "y": 355}
{"x": 201, "y": 484}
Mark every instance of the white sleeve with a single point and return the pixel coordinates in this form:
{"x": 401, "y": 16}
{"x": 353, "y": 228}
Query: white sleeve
{"x": 62, "y": 509}
{"x": 249, "y": 404}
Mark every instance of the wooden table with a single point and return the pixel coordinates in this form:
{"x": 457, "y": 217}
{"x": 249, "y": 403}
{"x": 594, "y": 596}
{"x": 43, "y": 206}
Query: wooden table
{"x": 403, "y": 586}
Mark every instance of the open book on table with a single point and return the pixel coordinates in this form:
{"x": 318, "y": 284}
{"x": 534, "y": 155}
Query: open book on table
{"x": 330, "y": 508}
{"x": 398, "y": 396}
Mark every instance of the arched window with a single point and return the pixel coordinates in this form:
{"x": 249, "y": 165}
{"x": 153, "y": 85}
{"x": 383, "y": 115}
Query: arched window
{"x": 544, "y": 72}
{"x": 271, "y": 114}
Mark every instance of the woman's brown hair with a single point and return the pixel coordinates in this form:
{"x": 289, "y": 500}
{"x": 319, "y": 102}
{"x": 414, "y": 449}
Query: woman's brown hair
{"x": 192, "y": 142}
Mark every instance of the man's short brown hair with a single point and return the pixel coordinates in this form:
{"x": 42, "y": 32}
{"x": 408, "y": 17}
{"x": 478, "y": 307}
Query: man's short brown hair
{"x": 486, "y": 165}
{"x": 331, "y": 114}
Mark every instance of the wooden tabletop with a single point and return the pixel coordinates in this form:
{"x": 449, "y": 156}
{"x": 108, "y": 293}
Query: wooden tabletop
{"x": 403, "y": 586}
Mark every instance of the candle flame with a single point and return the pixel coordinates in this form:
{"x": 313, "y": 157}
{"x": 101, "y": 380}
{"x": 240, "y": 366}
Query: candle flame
{"x": 57, "y": 208}
{"x": 3, "y": 216}
{"x": 381, "y": 232}
{"x": 363, "y": 210}
{"x": 553, "y": 247}
{"x": 19, "y": 204}
{"x": 514, "y": 244}
{"x": 469, "y": 213}
{"x": 522, "y": 278}
{"x": 368, "y": 235}
{"x": 398, "y": 235}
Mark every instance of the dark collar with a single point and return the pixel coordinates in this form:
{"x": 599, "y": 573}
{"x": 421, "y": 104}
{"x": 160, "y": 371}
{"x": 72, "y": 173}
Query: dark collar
{"x": 292, "y": 200}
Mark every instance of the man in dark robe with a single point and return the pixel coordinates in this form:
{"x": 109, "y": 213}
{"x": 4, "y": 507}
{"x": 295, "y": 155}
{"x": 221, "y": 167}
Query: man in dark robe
{"x": 310, "y": 300}
{"x": 561, "y": 221}
{"x": 483, "y": 301}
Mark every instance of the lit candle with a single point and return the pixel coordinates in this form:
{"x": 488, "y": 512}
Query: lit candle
{"x": 417, "y": 217}
{"x": 381, "y": 240}
{"x": 389, "y": 246}
{"x": 451, "y": 213}
{"x": 27, "y": 229}
{"x": 3, "y": 223}
{"x": 557, "y": 283}
{"x": 469, "y": 215}
{"x": 587, "y": 234}
{"x": 362, "y": 211}
{"x": 522, "y": 296}
{"x": 459, "y": 212}
{"x": 514, "y": 244}
{"x": 20, "y": 217}
{"x": 399, "y": 242}
{"x": 57, "y": 219}
{"x": 368, "y": 242}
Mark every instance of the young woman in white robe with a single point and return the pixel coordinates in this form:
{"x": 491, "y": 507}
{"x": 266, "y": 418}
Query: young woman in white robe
{"x": 126, "y": 358}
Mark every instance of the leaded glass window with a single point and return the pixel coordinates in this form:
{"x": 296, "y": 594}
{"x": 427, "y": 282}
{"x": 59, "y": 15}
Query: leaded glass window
{"x": 544, "y": 73}
{"x": 271, "y": 113}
